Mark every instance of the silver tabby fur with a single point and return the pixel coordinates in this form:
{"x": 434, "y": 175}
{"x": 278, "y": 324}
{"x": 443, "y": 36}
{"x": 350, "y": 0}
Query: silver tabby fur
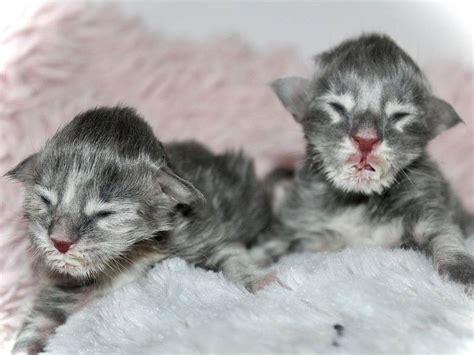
{"x": 401, "y": 199}
{"x": 107, "y": 184}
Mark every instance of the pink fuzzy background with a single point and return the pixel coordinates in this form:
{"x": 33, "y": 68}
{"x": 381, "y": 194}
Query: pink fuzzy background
{"x": 66, "y": 58}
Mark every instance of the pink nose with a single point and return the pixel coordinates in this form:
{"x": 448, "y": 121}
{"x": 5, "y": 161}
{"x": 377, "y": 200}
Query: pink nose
{"x": 62, "y": 245}
{"x": 366, "y": 144}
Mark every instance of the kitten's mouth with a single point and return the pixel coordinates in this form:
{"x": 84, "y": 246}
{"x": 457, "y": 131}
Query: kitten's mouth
{"x": 363, "y": 173}
{"x": 365, "y": 166}
{"x": 66, "y": 267}
{"x": 67, "y": 264}
{"x": 363, "y": 163}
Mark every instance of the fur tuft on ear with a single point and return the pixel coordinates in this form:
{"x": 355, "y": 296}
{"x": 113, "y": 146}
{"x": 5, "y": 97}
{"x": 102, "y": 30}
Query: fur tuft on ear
{"x": 179, "y": 189}
{"x": 441, "y": 116}
{"x": 24, "y": 171}
{"x": 294, "y": 94}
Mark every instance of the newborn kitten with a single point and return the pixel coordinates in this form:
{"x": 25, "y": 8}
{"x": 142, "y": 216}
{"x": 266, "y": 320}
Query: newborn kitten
{"x": 104, "y": 203}
{"x": 368, "y": 115}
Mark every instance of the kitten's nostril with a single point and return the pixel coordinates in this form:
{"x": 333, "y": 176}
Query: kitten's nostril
{"x": 366, "y": 144}
{"x": 62, "y": 245}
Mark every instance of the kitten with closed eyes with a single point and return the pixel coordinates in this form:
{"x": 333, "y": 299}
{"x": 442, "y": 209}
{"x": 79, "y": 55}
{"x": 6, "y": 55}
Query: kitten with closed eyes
{"x": 367, "y": 115}
{"x": 105, "y": 201}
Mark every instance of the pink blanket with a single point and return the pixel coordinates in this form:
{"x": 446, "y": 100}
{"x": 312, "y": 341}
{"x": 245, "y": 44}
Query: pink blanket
{"x": 66, "y": 58}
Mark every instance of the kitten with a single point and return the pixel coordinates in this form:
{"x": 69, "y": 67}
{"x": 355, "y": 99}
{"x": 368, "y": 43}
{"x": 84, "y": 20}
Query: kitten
{"x": 104, "y": 202}
{"x": 368, "y": 115}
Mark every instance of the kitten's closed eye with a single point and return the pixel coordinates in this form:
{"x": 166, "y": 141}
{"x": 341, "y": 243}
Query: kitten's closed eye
{"x": 340, "y": 109}
{"x": 399, "y": 115}
{"x": 103, "y": 214}
{"x": 45, "y": 200}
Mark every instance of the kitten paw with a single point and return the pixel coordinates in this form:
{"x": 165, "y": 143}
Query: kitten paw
{"x": 262, "y": 282}
{"x": 460, "y": 269}
{"x": 28, "y": 348}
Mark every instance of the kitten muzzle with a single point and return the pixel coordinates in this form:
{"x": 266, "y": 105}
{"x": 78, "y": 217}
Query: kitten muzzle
{"x": 364, "y": 165}
{"x": 363, "y": 162}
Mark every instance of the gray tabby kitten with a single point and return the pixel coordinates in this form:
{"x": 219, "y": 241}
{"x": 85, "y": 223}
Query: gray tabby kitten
{"x": 368, "y": 115}
{"x": 104, "y": 203}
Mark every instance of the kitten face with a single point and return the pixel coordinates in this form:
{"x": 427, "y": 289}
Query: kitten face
{"x": 365, "y": 130}
{"x": 87, "y": 216}
{"x": 367, "y": 114}
{"x": 98, "y": 188}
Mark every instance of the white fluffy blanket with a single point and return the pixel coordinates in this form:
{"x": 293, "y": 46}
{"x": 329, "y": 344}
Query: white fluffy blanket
{"x": 354, "y": 301}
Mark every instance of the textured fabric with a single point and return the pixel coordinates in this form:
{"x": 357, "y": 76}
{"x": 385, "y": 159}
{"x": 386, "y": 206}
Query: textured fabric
{"x": 64, "y": 58}
{"x": 355, "y": 301}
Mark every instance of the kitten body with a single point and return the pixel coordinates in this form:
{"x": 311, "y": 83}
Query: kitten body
{"x": 105, "y": 201}
{"x": 237, "y": 210}
{"x": 368, "y": 115}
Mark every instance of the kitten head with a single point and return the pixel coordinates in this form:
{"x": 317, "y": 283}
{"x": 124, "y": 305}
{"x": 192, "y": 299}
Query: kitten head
{"x": 101, "y": 185}
{"x": 367, "y": 113}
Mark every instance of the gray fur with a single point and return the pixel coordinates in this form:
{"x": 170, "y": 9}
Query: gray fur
{"x": 369, "y": 84}
{"x": 105, "y": 183}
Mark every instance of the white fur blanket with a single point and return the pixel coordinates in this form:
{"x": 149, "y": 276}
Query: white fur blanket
{"x": 354, "y": 301}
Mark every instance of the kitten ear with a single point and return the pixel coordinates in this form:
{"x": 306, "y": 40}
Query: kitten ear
{"x": 441, "y": 115}
{"x": 24, "y": 171}
{"x": 294, "y": 94}
{"x": 178, "y": 188}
